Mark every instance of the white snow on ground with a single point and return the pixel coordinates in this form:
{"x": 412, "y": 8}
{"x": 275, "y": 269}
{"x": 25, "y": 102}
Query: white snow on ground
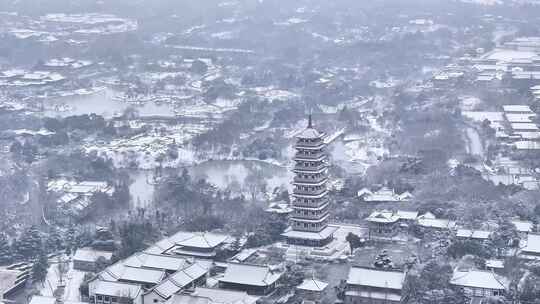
{"x": 474, "y": 142}
{"x": 72, "y": 281}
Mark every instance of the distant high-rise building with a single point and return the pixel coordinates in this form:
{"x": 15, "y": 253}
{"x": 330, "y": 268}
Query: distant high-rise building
{"x": 309, "y": 220}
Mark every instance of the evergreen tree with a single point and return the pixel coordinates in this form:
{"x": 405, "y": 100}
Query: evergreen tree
{"x": 71, "y": 242}
{"x": 30, "y": 243}
{"x": 6, "y": 255}
{"x": 54, "y": 241}
{"x": 39, "y": 269}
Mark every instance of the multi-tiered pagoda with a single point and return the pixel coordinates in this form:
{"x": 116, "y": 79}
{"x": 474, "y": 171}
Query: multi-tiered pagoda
{"x": 309, "y": 220}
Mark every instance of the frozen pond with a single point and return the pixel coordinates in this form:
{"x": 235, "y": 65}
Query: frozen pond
{"x": 102, "y": 103}
{"x": 222, "y": 173}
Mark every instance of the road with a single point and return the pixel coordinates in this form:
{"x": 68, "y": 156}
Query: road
{"x": 474, "y": 142}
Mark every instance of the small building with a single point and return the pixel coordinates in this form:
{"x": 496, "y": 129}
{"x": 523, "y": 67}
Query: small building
{"x": 85, "y": 259}
{"x": 253, "y": 279}
{"x": 523, "y": 227}
{"x": 196, "y": 244}
{"x": 476, "y": 235}
{"x": 366, "y": 285}
{"x": 517, "y": 109}
{"x": 383, "y": 223}
{"x": 383, "y": 195}
{"x": 168, "y": 263}
{"x": 186, "y": 278}
{"x": 213, "y": 296}
{"x": 311, "y": 290}
{"x": 407, "y": 216}
{"x": 119, "y": 272}
{"x": 50, "y": 300}
{"x": 531, "y": 250}
{"x": 107, "y": 292}
{"x": 13, "y": 280}
{"x": 480, "y": 283}
{"x": 494, "y": 265}
{"x": 523, "y": 127}
{"x": 428, "y": 220}
{"x": 281, "y": 209}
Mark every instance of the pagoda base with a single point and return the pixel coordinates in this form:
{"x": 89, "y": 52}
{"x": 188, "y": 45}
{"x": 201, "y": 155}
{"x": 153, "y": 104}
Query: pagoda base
{"x": 311, "y": 239}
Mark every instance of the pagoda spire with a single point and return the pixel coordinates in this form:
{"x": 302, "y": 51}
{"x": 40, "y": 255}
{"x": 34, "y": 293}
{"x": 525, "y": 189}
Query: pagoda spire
{"x": 310, "y": 120}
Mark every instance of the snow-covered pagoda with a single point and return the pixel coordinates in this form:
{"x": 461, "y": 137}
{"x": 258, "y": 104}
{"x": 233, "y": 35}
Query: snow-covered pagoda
{"x": 309, "y": 220}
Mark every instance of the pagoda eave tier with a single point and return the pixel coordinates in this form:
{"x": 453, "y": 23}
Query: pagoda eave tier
{"x": 306, "y": 235}
{"x": 310, "y": 159}
{"x": 318, "y": 208}
{"x": 310, "y": 183}
{"x": 308, "y": 147}
{"x": 318, "y": 169}
{"x": 318, "y": 195}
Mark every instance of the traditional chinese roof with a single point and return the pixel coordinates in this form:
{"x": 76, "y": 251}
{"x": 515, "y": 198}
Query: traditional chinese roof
{"x": 479, "y": 279}
{"x": 253, "y": 275}
{"x": 383, "y": 217}
{"x": 376, "y": 278}
{"x": 91, "y": 255}
{"x": 117, "y": 289}
{"x": 533, "y": 244}
{"x": 312, "y": 285}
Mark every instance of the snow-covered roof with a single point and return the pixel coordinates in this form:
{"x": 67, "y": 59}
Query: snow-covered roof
{"x": 364, "y": 191}
{"x": 309, "y": 133}
{"x": 533, "y": 244}
{"x": 279, "y": 208}
{"x": 179, "y": 280}
{"x": 188, "y": 299}
{"x": 160, "y": 247}
{"x": 119, "y": 271}
{"x": 517, "y": 108}
{"x": 117, "y": 289}
{"x": 383, "y": 296}
{"x": 312, "y": 285}
{"x": 225, "y": 296}
{"x": 407, "y": 215}
{"x": 479, "y": 279}
{"x": 156, "y": 261}
{"x": 244, "y": 254}
{"x": 495, "y": 264}
{"x": 384, "y": 194}
{"x": 254, "y": 275}
{"x": 427, "y": 215}
{"x": 473, "y": 234}
{"x": 519, "y": 118}
{"x": 376, "y": 278}
{"x": 523, "y": 226}
{"x": 437, "y": 223}
{"x": 384, "y": 217}
{"x": 49, "y": 300}
{"x": 321, "y": 235}
{"x": 524, "y": 126}
{"x": 91, "y": 255}
{"x": 198, "y": 239}
{"x": 527, "y": 145}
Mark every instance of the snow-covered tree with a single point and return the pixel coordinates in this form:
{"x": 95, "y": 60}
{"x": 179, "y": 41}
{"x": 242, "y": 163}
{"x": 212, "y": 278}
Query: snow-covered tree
{"x": 30, "y": 244}
{"x": 6, "y": 255}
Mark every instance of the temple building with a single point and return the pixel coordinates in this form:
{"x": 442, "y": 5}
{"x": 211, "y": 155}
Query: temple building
{"x": 309, "y": 220}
